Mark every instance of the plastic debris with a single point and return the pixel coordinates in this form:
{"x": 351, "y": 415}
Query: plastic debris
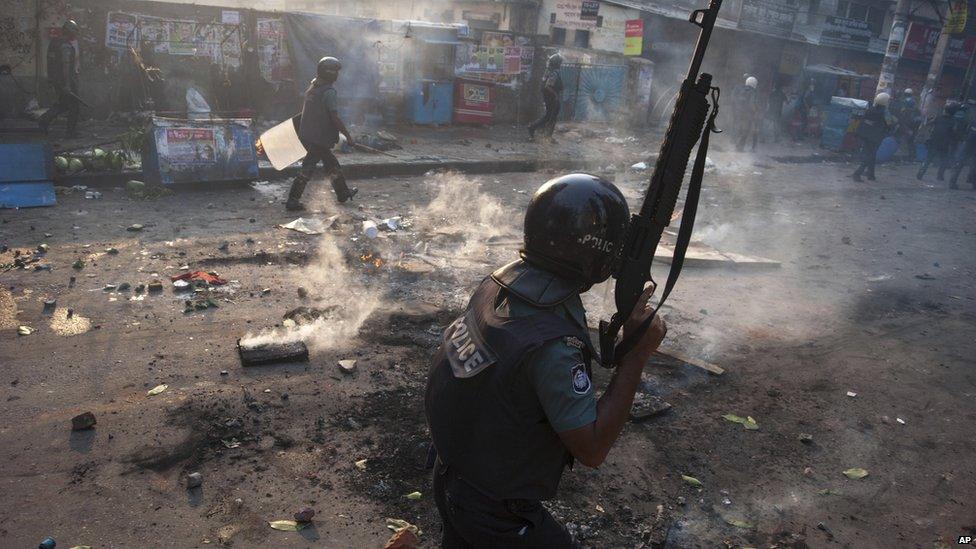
{"x": 399, "y": 524}
{"x": 24, "y": 330}
{"x": 370, "y": 229}
{"x": 157, "y": 389}
{"x": 851, "y": 394}
{"x": 639, "y": 167}
{"x": 361, "y": 465}
{"x": 347, "y": 366}
{"x": 306, "y": 225}
{"x": 287, "y": 525}
{"x": 692, "y": 481}
{"x": 47, "y": 543}
{"x": 413, "y": 495}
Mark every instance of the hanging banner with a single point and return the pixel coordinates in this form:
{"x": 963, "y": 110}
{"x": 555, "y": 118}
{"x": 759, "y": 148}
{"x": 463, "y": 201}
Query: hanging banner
{"x": 920, "y": 46}
{"x": 569, "y": 15}
{"x": 774, "y": 17}
{"x": 958, "y": 12}
{"x": 846, "y": 33}
{"x": 634, "y": 37}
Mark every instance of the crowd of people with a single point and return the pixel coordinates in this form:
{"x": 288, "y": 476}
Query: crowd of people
{"x": 946, "y": 138}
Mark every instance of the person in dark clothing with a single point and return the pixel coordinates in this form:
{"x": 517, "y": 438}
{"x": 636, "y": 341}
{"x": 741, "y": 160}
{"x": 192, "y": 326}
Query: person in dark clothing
{"x": 774, "y": 111}
{"x": 552, "y": 92}
{"x": 968, "y": 158}
{"x": 509, "y": 396}
{"x": 319, "y": 131}
{"x": 749, "y": 113}
{"x": 872, "y": 131}
{"x": 942, "y": 142}
{"x": 63, "y": 70}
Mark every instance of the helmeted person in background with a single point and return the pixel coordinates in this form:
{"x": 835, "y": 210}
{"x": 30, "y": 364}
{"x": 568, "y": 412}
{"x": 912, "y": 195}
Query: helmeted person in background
{"x": 942, "y": 141}
{"x": 64, "y": 71}
{"x": 749, "y": 112}
{"x": 552, "y": 92}
{"x": 510, "y": 399}
{"x": 904, "y": 108}
{"x": 319, "y": 132}
{"x": 872, "y": 130}
{"x": 967, "y": 158}
{"x": 774, "y": 111}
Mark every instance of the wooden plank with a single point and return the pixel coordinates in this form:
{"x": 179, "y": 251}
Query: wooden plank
{"x": 671, "y": 358}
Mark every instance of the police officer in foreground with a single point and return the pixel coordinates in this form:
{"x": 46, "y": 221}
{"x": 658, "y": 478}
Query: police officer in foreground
{"x": 319, "y": 131}
{"x": 552, "y": 92}
{"x": 63, "y": 71}
{"x": 872, "y": 130}
{"x": 509, "y": 398}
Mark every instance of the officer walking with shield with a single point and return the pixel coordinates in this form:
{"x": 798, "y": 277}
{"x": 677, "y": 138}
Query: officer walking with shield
{"x": 319, "y": 131}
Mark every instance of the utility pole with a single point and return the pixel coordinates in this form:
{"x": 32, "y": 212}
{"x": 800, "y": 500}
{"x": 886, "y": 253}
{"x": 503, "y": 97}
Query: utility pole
{"x": 935, "y": 72}
{"x": 899, "y": 28}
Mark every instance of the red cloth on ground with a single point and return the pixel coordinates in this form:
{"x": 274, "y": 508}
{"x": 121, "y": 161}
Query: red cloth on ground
{"x": 199, "y": 275}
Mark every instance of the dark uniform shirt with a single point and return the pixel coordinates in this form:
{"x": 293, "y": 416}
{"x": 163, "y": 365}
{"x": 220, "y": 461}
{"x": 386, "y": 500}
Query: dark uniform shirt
{"x": 557, "y": 370}
{"x": 552, "y": 82}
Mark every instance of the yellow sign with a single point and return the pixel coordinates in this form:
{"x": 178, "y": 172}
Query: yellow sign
{"x": 634, "y": 37}
{"x": 956, "y": 22}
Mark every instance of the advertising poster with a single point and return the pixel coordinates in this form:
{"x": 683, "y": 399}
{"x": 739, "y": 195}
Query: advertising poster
{"x": 121, "y": 30}
{"x": 189, "y": 146}
{"x": 569, "y": 15}
{"x": 634, "y": 37}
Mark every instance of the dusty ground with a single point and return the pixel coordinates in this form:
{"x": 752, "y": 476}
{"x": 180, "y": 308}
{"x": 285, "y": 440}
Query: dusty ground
{"x": 874, "y": 296}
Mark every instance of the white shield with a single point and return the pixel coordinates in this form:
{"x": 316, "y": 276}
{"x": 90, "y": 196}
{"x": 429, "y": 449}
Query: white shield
{"x": 282, "y": 145}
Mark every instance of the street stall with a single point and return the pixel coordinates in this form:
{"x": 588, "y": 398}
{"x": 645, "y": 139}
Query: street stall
{"x": 199, "y": 151}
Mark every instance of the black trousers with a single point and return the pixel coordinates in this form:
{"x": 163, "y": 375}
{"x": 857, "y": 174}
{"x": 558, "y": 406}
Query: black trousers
{"x": 968, "y": 159}
{"x": 869, "y": 156}
{"x": 749, "y": 128}
{"x": 941, "y": 157}
{"x": 65, "y": 103}
{"x": 547, "y": 122}
{"x": 323, "y": 154}
{"x": 473, "y": 520}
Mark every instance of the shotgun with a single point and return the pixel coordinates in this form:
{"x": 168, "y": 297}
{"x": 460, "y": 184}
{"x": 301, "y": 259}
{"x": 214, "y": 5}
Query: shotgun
{"x": 632, "y": 263}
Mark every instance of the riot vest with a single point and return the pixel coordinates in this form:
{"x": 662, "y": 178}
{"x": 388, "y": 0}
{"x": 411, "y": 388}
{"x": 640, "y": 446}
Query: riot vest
{"x": 485, "y": 418}
{"x": 316, "y": 125}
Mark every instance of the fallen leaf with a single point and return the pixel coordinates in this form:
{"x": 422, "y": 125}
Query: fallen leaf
{"x": 287, "y": 525}
{"x": 739, "y": 523}
{"x": 856, "y": 473}
{"x": 413, "y": 495}
{"x": 361, "y": 465}
{"x": 691, "y": 480}
{"x": 157, "y": 389}
{"x": 399, "y": 524}
{"x": 746, "y": 422}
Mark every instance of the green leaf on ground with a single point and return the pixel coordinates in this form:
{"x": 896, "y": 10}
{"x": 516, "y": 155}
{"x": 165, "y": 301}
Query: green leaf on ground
{"x": 691, "y": 480}
{"x": 746, "y": 422}
{"x": 739, "y": 523}
{"x": 856, "y": 473}
{"x": 157, "y": 389}
{"x": 287, "y": 525}
{"x": 413, "y": 495}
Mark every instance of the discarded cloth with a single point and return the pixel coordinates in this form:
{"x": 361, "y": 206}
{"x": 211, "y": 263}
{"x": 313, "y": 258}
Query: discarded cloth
{"x": 200, "y": 275}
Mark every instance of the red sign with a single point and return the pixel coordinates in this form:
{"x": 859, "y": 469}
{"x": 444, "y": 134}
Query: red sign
{"x": 634, "y": 27}
{"x": 920, "y": 46}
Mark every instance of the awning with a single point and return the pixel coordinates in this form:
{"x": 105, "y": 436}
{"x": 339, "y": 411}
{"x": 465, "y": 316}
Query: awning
{"x": 440, "y": 41}
{"x": 834, "y": 71}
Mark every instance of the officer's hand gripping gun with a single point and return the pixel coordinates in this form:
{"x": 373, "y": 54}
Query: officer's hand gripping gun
{"x": 632, "y": 267}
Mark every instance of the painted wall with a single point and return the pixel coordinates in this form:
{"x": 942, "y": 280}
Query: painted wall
{"x": 607, "y": 37}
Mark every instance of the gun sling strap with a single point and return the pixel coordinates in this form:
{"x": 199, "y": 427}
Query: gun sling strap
{"x": 684, "y": 232}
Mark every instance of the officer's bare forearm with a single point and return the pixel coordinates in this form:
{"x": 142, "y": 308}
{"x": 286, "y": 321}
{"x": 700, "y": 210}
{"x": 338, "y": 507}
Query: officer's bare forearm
{"x": 591, "y": 444}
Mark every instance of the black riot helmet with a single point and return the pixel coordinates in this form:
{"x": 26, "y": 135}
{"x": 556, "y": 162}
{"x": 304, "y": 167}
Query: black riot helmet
{"x": 573, "y": 226}
{"x": 70, "y": 28}
{"x": 328, "y": 68}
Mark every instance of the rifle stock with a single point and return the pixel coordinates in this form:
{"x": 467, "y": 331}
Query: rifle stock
{"x": 632, "y": 269}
